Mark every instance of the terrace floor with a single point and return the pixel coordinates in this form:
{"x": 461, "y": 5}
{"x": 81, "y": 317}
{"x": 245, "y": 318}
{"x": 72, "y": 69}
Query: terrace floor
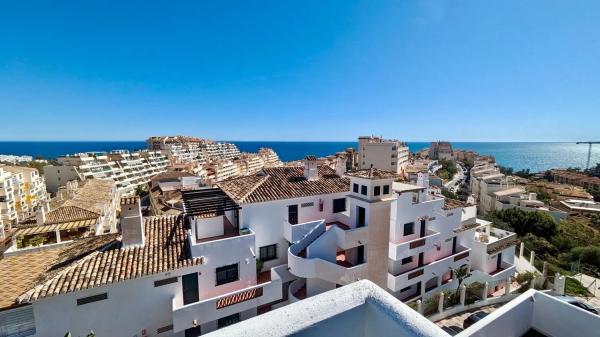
{"x": 338, "y": 224}
{"x": 341, "y": 260}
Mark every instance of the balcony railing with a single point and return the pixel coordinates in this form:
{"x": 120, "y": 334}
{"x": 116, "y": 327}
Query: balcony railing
{"x": 201, "y": 312}
{"x": 401, "y": 250}
{"x": 421, "y": 273}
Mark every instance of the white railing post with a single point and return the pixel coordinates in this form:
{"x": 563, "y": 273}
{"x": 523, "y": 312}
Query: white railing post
{"x": 522, "y": 249}
{"x": 507, "y": 289}
{"x": 486, "y": 288}
{"x": 441, "y": 303}
{"x": 463, "y": 294}
{"x": 531, "y": 257}
{"x": 420, "y": 307}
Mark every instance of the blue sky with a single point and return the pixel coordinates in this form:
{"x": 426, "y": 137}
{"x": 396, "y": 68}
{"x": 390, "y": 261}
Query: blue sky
{"x": 300, "y": 70}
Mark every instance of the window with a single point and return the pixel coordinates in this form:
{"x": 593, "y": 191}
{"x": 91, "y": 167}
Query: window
{"x": 307, "y": 204}
{"x": 90, "y": 299}
{"x": 355, "y": 188}
{"x": 393, "y": 163}
{"x": 189, "y": 288}
{"x": 339, "y": 205}
{"x": 225, "y": 321}
{"x": 407, "y": 260}
{"x": 409, "y": 228}
{"x": 415, "y": 197}
{"x": 386, "y": 189}
{"x": 363, "y": 190}
{"x": 165, "y": 281}
{"x": 268, "y": 253}
{"x": 405, "y": 289}
{"x": 227, "y": 274}
{"x": 377, "y": 190}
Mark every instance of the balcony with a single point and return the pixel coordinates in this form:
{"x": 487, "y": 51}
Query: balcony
{"x": 294, "y": 233}
{"x": 339, "y": 272}
{"x": 297, "y": 290}
{"x": 495, "y": 239}
{"x": 398, "y": 251}
{"x": 208, "y": 310}
{"x": 207, "y": 243}
{"x": 425, "y": 272}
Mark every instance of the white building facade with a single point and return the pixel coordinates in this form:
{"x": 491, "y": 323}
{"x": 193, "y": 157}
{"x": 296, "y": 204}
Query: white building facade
{"x": 383, "y": 154}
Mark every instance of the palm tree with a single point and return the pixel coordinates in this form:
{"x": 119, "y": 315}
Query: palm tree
{"x": 460, "y": 274}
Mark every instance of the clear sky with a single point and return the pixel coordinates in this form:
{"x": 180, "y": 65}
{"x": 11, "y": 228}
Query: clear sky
{"x": 466, "y": 70}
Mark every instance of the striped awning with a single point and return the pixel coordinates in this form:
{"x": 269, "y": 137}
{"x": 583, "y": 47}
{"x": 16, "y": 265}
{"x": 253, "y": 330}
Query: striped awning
{"x": 58, "y": 226}
{"x": 239, "y": 297}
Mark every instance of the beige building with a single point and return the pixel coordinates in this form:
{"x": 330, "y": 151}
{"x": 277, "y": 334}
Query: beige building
{"x": 32, "y": 188}
{"x": 382, "y": 154}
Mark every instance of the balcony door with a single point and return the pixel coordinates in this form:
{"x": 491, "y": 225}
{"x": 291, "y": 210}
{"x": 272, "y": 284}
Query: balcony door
{"x": 360, "y": 216}
{"x": 423, "y": 223}
{"x": 293, "y": 214}
{"x": 189, "y": 286}
{"x": 499, "y": 261}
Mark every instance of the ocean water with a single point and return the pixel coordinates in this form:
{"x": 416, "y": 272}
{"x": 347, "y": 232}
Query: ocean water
{"x": 534, "y": 156}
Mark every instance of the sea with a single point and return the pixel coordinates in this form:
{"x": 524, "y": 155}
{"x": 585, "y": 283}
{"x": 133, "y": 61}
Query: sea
{"x": 536, "y": 157}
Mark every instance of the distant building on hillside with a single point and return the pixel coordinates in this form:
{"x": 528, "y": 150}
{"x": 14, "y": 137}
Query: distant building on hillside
{"x": 440, "y": 150}
{"x": 383, "y": 154}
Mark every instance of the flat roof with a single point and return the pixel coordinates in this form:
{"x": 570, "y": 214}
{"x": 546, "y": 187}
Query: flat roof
{"x": 403, "y": 187}
{"x": 357, "y": 309}
{"x": 509, "y": 191}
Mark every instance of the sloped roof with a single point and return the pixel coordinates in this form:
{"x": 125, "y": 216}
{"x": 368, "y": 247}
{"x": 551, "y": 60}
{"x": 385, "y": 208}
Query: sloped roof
{"x": 288, "y": 182}
{"x": 165, "y": 249}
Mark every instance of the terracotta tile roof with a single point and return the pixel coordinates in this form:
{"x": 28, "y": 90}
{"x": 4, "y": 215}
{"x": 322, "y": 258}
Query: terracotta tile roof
{"x": 69, "y": 213}
{"x": 165, "y": 250}
{"x": 23, "y": 271}
{"x": 35, "y": 229}
{"x": 286, "y": 182}
{"x": 373, "y": 174}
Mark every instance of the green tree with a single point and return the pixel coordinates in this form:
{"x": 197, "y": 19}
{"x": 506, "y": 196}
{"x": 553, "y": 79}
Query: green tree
{"x": 460, "y": 274}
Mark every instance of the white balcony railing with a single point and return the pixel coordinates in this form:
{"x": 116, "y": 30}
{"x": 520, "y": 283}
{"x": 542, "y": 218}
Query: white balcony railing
{"x": 398, "y": 251}
{"x": 201, "y": 312}
{"x": 434, "y": 268}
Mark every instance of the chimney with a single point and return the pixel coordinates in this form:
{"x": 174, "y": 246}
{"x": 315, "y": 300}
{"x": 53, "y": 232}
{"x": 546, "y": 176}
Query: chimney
{"x": 423, "y": 179}
{"x": 132, "y": 223}
{"x": 46, "y": 205}
{"x": 311, "y": 172}
{"x": 40, "y": 216}
{"x": 340, "y": 166}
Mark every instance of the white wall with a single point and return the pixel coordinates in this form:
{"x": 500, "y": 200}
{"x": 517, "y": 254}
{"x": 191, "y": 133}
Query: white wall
{"x": 267, "y": 219}
{"x": 209, "y": 227}
{"x": 131, "y": 306}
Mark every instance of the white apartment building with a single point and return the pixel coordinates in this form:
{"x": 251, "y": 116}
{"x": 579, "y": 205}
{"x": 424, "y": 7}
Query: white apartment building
{"x": 269, "y": 157}
{"x": 383, "y": 154}
{"x": 128, "y": 170}
{"x": 222, "y": 170}
{"x": 187, "y": 275}
{"x": 8, "y": 208}
{"x": 249, "y": 163}
{"x": 253, "y": 244}
{"x": 32, "y": 191}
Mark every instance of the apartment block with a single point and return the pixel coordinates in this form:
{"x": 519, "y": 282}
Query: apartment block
{"x": 128, "y": 170}
{"x": 383, "y": 154}
{"x": 33, "y": 189}
{"x": 247, "y": 246}
{"x": 441, "y": 150}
